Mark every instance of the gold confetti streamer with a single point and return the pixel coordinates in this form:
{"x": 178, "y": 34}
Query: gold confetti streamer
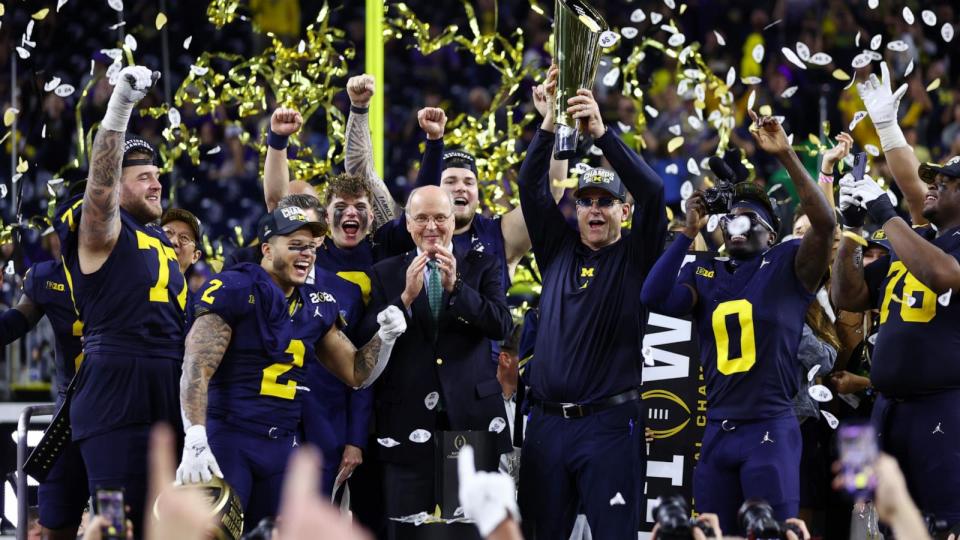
{"x": 222, "y": 12}
{"x": 934, "y": 84}
{"x": 40, "y": 15}
{"x": 840, "y": 75}
{"x": 161, "y": 20}
{"x": 674, "y": 143}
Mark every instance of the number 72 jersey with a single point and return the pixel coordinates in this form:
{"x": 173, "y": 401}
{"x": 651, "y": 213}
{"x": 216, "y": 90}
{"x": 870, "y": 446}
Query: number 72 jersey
{"x": 918, "y": 341}
{"x": 749, "y": 323}
{"x": 260, "y": 380}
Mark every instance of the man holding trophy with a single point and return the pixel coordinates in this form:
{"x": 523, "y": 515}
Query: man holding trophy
{"x": 584, "y": 442}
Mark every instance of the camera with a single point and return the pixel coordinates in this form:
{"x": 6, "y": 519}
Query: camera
{"x": 729, "y": 172}
{"x": 673, "y": 517}
{"x": 757, "y": 522}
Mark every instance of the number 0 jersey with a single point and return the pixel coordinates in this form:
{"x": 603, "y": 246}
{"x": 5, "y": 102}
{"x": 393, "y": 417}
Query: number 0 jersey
{"x": 919, "y": 335}
{"x": 749, "y": 323}
{"x": 261, "y": 377}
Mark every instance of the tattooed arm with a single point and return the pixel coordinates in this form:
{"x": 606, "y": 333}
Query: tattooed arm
{"x": 849, "y": 290}
{"x": 359, "y": 149}
{"x": 360, "y": 368}
{"x": 206, "y": 343}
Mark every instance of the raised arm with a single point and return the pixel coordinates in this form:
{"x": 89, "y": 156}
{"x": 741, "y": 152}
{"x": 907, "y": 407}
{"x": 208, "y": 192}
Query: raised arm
{"x": 284, "y": 122}
{"x": 830, "y": 159}
{"x": 663, "y": 290}
{"x": 100, "y": 219}
{"x": 359, "y": 148}
{"x": 849, "y": 290}
{"x": 359, "y": 368}
{"x": 17, "y": 321}
{"x": 813, "y": 256}
{"x": 882, "y": 104}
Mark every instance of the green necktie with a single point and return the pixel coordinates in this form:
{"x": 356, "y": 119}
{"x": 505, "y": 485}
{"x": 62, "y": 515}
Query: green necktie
{"x": 434, "y": 289}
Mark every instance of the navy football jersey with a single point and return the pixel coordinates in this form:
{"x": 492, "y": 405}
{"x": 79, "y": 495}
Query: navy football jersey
{"x": 46, "y": 284}
{"x": 351, "y": 264}
{"x": 919, "y": 333}
{"x": 486, "y": 236}
{"x": 132, "y": 309}
{"x": 261, "y": 377}
{"x": 749, "y": 323}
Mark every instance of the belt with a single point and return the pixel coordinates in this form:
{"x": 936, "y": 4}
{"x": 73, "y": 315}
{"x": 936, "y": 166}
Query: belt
{"x": 579, "y": 410}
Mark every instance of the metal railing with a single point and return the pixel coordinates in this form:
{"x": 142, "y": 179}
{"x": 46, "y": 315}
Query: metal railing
{"x": 23, "y": 494}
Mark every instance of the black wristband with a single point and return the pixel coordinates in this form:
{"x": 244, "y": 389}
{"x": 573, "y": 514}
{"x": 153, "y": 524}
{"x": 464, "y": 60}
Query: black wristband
{"x": 359, "y": 110}
{"x": 277, "y": 142}
{"x": 881, "y": 210}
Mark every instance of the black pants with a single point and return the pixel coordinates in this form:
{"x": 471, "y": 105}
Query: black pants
{"x": 407, "y": 489}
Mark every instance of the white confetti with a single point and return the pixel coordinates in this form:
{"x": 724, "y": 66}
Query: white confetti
{"x": 28, "y": 33}
{"x": 686, "y": 189}
{"x": 944, "y": 299}
{"x": 911, "y": 301}
{"x": 857, "y": 117}
{"x": 898, "y": 45}
{"x": 55, "y": 181}
{"x": 431, "y": 400}
{"x": 757, "y": 53}
{"x": 624, "y": 128}
{"x": 872, "y": 150}
{"x": 93, "y": 65}
{"x": 771, "y": 25}
{"x": 3, "y": 191}
{"x": 611, "y": 77}
{"x": 651, "y": 111}
{"x": 692, "y": 167}
{"x": 186, "y": 42}
{"x": 872, "y": 4}
{"x": 655, "y": 18}
{"x": 872, "y": 339}
{"x": 820, "y": 393}
{"x": 803, "y": 51}
{"x": 928, "y": 17}
{"x": 739, "y": 225}
{"x": 831, "y": 419}
{"x": 117, "y": 25}
{"x": 114, "y": 71}
{"x": 50, "y": 191}
{"x": 780, "y": 119}
{"x": 694, "y": 122}
{"x": 946, "y": 32}
{"x": 594, "y": 151}
{"x": 213, "y": 151}
{"x": 693, "y": 74}
{"x": 16, "y": 178}
{"x": 701, "y": 94}
{"x": 302, "y": 47}
{"x": 720, "y": 40}
{"x": 875, "y": 41}
{"x": 860, "y": 60}
{"x": 638, "y": 16}
{"x": 113, "y": 54}
{"x": 497, "y": 425}
{"x": 64, "y": 90}
{"x": 672, "y": 4}
{"x": 609, "y": 39}
{"x": 388, "y": 442}
{"x": 675, "y": 129}
{"x": 130, "y": 42}
{"x": 908, "y": 15}
{"x": 671, "y": 169}
{"x": 789, "y": 92}
{"x": 43, "y": 132}
{"x": 812, "y": 374}
{"x": 856, "y": 40}
{"x": 10, "y": 269}
{"x": 420, "y": 435}
{"x": 909, "y": 69}
{"x": 629, "y": 32}
{"x": 198, "y": 71}
{"x": 751, "y": 80}
{"x": 617, "y": 500}
{"x": 712, "y": 223}
{"x": 731, "y": 76}
{"x": 751, "y": 99}
{"x": 873, "y": 55}
{"x": 676, "y": 40}
{"x": 60, "y": 4}
{"x": 117, "y": 5}
{"x": 54, "y": 82}
{"x": 647, "y": 353}
{"x": 821, "y": 59}
{"x": 23, "y": 53}
{"x": 852, "y": 80}
{"x": 669, "y": 28}
{"x": 173, "y": 115}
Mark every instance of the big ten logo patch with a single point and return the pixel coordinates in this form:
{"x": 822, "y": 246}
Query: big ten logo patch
{"x": 667, "y": 414}
{"x": 701, "y": 271}
{"x": 54, "y": 286}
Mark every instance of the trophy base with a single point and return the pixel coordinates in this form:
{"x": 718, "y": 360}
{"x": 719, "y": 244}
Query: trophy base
{"x": 565, "y": 142}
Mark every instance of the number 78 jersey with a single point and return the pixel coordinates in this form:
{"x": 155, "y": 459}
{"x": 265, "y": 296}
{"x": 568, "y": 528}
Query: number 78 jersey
{"x": 749, "y": 323}
{"x": 919, "y": 335}
{"x": 261, "y": 377}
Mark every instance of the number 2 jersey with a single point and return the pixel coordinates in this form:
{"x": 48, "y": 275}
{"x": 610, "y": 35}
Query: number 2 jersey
{"x": 918, "y": 340}
{"x": 132, "y": 311}
{"x": 260, "y": 381}
{"x": 749, "y": 323}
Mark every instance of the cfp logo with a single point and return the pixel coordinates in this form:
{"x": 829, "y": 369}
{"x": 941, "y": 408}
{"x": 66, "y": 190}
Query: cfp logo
{"x": 319, "y": 297}
{"x": 665, "y": 410}
{"x": 459, "y": 442}
{"x": 293, "y": 213}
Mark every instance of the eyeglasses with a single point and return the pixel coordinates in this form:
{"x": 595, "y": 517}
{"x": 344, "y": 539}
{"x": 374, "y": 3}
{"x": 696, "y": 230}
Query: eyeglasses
{"x": 182, "y": 239}
{"x": 602, "y": 202}
{"x": 438, "y": 219}
{"x": 754, "y": 220}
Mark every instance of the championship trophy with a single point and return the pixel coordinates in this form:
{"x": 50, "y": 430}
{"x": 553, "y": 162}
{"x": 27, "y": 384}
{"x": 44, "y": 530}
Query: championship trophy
{"x": 576, "y": 48}
{"x": 223, "y": 501}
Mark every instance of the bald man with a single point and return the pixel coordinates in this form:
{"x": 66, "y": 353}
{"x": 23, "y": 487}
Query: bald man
{"x": 440, "y": 376}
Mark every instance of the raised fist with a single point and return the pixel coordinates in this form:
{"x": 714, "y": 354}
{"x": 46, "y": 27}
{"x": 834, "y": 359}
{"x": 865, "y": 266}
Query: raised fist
{"x": 360, "y": 89}
{"x": 285, "y": 121}
{"x": 432, "y": 121}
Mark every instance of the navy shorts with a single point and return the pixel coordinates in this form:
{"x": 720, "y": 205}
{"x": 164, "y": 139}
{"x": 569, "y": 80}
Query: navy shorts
{"x": 746, "y": 460}
{"x": 923, "y": 434}
{"x": 594, "y": 465}
{"x": 64, "y": 494}
{"x": 253, "y": 462}
{"x": 118, "y": 459}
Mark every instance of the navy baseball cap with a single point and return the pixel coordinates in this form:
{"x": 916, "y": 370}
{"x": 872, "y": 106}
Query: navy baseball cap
{"x": 879, "y": 238}
{"x": 284, "y": 221}
{"x": 137, "y": 145}
{"x": 604, "y": 179}
{"x": 929, "y": 171}
{"x": 460, "y": 159}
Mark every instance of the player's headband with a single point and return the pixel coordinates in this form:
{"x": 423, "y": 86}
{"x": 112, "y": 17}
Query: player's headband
{"x": 136, "y": 145}
{"x": 756, "y": 208}
{"x": 459, "y": 159}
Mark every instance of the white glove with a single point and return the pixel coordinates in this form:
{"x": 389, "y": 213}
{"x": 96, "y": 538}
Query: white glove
{"x": 847, "y": 200}
{"x": 132, "y": 85}
{"x": 488, "y": 498}
{"x": 864, "y": 191}
{"x": 198, "y": 464}
{"x": 392, "y": 324}
{"x": 882, "y": 106}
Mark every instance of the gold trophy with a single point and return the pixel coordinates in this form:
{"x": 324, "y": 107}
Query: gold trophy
{"x": 223, "y": 501}
{"x": 576, "y": 48}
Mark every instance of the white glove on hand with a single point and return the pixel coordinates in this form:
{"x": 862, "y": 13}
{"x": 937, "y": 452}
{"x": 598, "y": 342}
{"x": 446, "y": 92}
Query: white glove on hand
{"x": 132, "y": 85}
{"x": 864, "y": 191}
{"x": 198, "y": 464}
{"x": 392, "y": 324}
{"x": 488, "y": 498}
{"x": 881, "y": 103}
{"x": 847, "y": 200}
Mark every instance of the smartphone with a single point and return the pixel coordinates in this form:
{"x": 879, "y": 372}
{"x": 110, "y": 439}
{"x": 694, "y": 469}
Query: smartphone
{"x": 858, "y": 452}
{"x": 110, "y": 506}
{"x": 859, "y": 165}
